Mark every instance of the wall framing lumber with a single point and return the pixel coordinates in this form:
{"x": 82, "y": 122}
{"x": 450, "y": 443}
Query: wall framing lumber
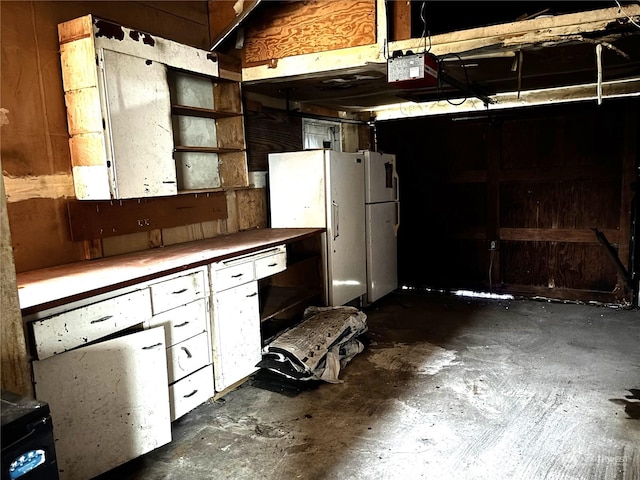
{"x": 15, "y": 369}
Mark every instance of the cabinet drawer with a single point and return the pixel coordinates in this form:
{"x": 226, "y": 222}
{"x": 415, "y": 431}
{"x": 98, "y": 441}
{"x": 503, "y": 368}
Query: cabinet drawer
{"x": 267, "y": 266}
{"x": 191, "y": 391}
{"x": 188, "y": 356}
{"x": 232, "y": 276}
{"x": 182, "y": 322}
{"x": 177, "y": 291}
{"x": 77, "y": 327}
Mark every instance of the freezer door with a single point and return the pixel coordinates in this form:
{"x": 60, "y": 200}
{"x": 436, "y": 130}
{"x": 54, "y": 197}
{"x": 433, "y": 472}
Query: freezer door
{"x": 381, "y": 179}
{"x": 345, "y": 228}
{"x": 297, "y": 194}
{"x": 382, "y": 249}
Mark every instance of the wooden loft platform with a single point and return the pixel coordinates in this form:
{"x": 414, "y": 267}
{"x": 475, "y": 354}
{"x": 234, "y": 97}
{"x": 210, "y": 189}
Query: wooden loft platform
{"x": 521, "y": 62}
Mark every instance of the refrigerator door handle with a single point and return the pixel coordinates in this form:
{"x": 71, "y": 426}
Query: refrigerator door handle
{"x": 397, "y": 224}
{"x": 335, "y": 213}
{"x": 396, "y": 197}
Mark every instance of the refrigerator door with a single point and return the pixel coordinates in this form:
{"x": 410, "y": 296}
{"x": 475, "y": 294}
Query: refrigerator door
{"x": 297, "y": 192}
{"x": 345, "y": 227}
{"x": 382, "y": 249}
{"x": 381, "y": 179}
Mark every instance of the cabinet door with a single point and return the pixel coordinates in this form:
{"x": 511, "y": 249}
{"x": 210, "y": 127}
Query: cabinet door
{"x": 109, "y": 402}
{"x": 236, "y": 334}
{"x": 139, "y": 126}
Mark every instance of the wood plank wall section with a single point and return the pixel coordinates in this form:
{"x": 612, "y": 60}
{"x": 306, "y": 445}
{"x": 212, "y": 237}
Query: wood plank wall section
{"x": 400, "y": 13}
{"x": 535, "y": 181}
{"x": 35, "y": 148}
{"x": 270, "y": 130}
{"x": 284, "y": 29}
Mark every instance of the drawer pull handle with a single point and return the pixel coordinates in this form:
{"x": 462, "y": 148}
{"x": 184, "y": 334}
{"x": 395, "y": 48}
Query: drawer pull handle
{"x": 252, "y": 294}
{"x": 150, "y": 347}
{"x": 182, "y": 324}
{"x": 237, "y": 275}
{"x": 102, "y": 319}
{"x": 186, "y": 350}
{"x": 272, "y": 265}
{"x": 179, "y": 291}
{"x": 191, "y": 394}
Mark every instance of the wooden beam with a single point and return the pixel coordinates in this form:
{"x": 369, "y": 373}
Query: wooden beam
{"x": 614, "y": 89}
{"x": 16, "y": 371}
{"x": 43, "y": 186}
{"x": 586, "y": 296}
{"x": 569, "y": 235}
{"x": 401, "y": 19}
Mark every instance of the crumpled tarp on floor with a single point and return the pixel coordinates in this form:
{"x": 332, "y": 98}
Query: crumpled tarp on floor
{"x": 319, "y": 346}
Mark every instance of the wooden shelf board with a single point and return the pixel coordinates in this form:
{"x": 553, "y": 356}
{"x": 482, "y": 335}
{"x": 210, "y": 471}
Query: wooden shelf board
{"x": 202, "y": 112}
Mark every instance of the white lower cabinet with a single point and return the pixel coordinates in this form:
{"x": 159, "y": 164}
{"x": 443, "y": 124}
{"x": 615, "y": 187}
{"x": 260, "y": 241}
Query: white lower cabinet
{"x": 235, "y": 317}
{"x": 109, "y": 402}
{"x": 236, "y": 334}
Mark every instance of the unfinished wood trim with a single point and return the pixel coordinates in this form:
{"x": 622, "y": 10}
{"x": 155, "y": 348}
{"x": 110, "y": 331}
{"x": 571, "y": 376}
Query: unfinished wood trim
{"x": 570, "y": 235}
{"x": 308, "y": 65}
{"x": 75, "y": 29}
{"x": 99, "y": 219}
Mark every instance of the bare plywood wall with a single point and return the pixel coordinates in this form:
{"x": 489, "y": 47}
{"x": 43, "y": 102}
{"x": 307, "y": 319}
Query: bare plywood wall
{"x": 293, "y": 28}
{"x": 536, "y": 182}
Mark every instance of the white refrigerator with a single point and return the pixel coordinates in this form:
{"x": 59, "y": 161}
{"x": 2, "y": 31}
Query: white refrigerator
{"x": 325, "y": 189}
{"x": 382, "y": 219}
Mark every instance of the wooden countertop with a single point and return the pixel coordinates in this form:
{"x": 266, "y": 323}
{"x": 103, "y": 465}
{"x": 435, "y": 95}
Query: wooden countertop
{"x": 49, "y": 287}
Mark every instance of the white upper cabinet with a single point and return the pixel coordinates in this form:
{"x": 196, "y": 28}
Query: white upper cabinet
{"x": 144, "y": 114}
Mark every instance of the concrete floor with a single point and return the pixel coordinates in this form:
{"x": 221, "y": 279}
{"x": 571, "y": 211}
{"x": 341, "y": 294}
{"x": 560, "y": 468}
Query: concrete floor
{"x": 449, "y": 388}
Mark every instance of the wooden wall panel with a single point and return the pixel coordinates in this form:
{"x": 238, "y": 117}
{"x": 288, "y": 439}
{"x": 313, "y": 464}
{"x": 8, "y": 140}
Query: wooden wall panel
{"x": 579, "y": 204}
{"x": 293, "y": 28}
{"x": 537, "y": 181}
{"x": 561, "y": 265}
{"x": 252, "y": 208}
{"x": 270, "y": 130}
{"x": 40, "y": 234}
